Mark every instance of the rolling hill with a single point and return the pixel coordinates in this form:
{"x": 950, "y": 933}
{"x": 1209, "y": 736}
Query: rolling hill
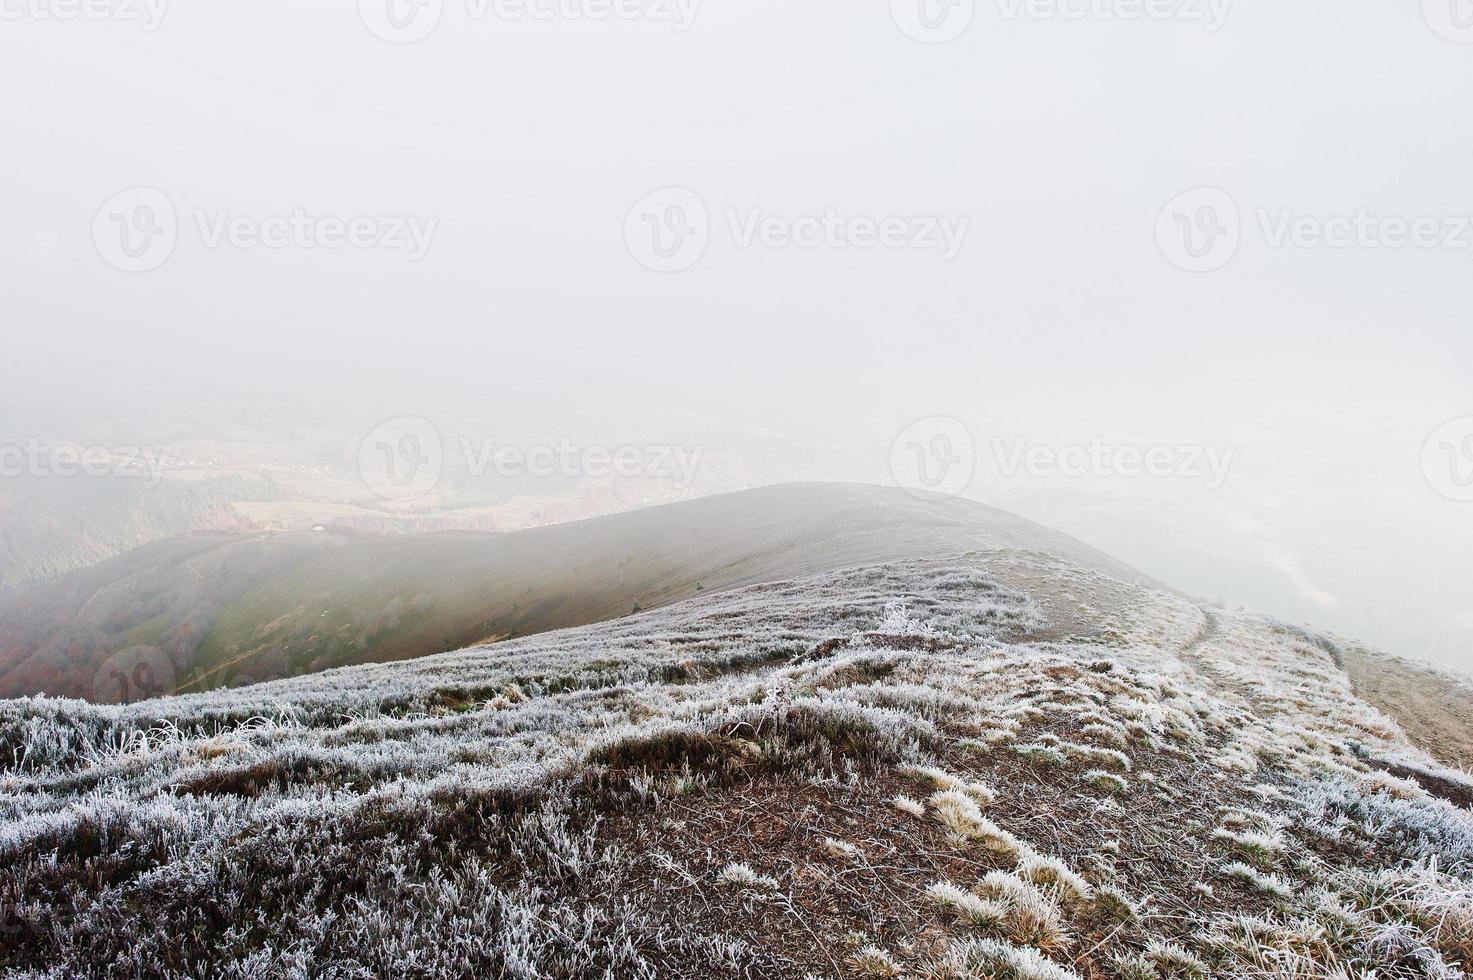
{"x": 997, "y": 765}
{"x": 205, "y": 611}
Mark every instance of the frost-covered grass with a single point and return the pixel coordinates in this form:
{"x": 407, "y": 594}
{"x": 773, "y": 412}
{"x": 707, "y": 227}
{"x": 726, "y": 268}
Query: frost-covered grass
{"x": 1250, "y": 876}
{"x": 867, "y": 773}
{"x": 1105, "y": 782}
{"x": 742, "y": 876}
{"x": 989, "y": 958}
{"x": 907, "y": 805}
{"x": 1262, "y": 850}
{"x": 871, "y": 961}
{"x": 1114, "y": 905}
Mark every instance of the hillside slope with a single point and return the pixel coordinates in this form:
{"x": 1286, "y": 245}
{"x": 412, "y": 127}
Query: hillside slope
{"x": 1434, "y": 706}
{"x": 998, "y": 765}
{"x": 209, "y": 611}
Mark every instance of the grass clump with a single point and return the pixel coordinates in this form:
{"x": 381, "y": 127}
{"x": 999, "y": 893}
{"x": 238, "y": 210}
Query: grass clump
{"x": 907, "y": 805}
{"x": 841, "y": 849}
{"x": 971, "y": 909}
{"x": 1105, "y": 782}
{"x": 741, "y": 875}
{"x": 958, "y": 813}
{"x": 1114, "y": 905}
{"x": 1103, "y": 758}
{"x": 1033, "y": 918}
{"x": 1001, "y": 842}
{"x": 1267, "y": 884}
{"x": 1134, "y": 966}
{"x": 872, "y": 961}
{"x": 945, "y": 782}
{"x": 1111, "y": 735}
{"x": 1262, "y": 850}
{"x": 989, "y": 959}
{"x": 1174, "y": 960}
{"x": 1045, "y": 755}
{"x": 1054, "y": 874}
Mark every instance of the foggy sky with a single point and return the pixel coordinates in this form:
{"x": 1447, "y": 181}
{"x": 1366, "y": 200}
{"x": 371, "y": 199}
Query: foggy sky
{"x": 1060, "y": 320}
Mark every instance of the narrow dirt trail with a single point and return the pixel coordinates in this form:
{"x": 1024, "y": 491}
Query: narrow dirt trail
{"x": 1193, "y": 656}
{"x": 1211, "y": 626}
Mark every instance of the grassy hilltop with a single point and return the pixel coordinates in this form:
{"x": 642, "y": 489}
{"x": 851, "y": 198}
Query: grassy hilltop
{"x": 1002, "y": 765}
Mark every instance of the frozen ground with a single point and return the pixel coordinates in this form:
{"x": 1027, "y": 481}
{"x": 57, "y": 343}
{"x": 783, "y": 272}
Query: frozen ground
{"x": 997, "y": 765}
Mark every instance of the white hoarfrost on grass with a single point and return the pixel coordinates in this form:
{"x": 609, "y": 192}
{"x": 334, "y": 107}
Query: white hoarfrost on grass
{"x": 907, "y": 805}
{"x": 1002, "y": 766}
{"x": 1253, "y": 878}
{"x": 742, "y": 876}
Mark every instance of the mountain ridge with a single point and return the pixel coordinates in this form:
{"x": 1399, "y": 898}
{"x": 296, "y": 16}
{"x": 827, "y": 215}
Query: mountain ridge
{"x": 996, "y": 766}
{"x": 215, "y": 609}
